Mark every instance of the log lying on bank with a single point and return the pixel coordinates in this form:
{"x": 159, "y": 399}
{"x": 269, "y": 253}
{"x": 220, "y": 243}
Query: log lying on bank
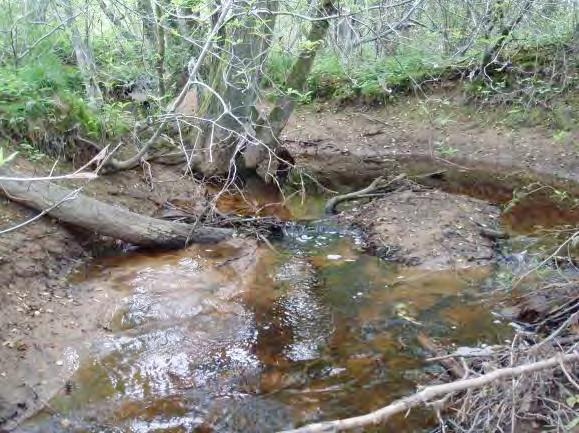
{"x": 71, "y": 207}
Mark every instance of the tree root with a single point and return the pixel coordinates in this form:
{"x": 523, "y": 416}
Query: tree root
{"x": 371, "y": 190}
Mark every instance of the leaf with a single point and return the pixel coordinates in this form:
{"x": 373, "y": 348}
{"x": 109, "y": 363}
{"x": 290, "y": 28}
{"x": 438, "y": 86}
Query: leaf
{"x": 6, "y": 160}
{"x": 572, "y": 424}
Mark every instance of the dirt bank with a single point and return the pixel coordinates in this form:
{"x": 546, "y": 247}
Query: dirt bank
{"x": 41, "y": 312}
{"x": 444, "y": 127}
{"x": 429, "y": 229}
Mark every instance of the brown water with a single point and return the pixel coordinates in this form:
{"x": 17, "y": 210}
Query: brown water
{"x": 239, "y": 338}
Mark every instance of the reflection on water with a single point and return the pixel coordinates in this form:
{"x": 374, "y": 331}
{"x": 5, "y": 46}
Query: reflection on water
{"x": 235, "y": 338}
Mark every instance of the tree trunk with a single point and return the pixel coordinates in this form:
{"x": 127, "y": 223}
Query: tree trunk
{"x": 235, "y": 83}
{"x": 240, "y": 132}
{"x": 300, "y": 71}
{"x": 268, "y": 130}
{"x": 78, "y": 210}
{"x": 84, "y": 57}
{"x": 160, "y": 37}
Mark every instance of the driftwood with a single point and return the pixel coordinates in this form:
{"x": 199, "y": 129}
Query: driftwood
{"x": 377, "y": 184}
{"x": 451, "y": 365}
{"x": 71, "y": 207}
{"x": 435, "y": 391}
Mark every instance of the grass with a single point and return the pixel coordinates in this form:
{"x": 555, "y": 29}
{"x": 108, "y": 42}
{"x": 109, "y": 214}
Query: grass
{"x": 371, "y": 80}
{"x": 42, "y": 107}
{"x": 538, "y": 71}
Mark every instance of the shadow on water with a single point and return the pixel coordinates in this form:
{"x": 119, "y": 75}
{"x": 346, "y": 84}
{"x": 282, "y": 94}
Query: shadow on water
{"x": 239, "y": 338}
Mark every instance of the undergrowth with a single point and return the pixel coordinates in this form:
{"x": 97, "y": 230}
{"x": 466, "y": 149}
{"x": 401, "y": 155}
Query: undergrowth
{"x": 369, "y": 80}
{"x": 43, "y": 109}
{"x": 527, "y": 74}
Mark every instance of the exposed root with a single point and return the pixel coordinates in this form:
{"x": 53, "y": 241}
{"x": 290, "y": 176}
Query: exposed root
{"x": 376, "y": 188}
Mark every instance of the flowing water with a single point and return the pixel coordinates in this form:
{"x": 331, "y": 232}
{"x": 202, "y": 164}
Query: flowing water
{"x": 240, "y": 338}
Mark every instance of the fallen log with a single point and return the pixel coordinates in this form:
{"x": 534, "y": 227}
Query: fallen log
{"x": 71, "y": 207}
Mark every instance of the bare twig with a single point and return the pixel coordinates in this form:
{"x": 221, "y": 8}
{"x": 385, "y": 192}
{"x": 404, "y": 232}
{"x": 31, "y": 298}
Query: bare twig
{"x": 430, "y": 392}
{"x": 377, "y": 184}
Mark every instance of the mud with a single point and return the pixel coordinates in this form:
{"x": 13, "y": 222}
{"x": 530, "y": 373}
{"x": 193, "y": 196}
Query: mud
{"x": 430, "y": 229}
{"x": 440, "y": 126}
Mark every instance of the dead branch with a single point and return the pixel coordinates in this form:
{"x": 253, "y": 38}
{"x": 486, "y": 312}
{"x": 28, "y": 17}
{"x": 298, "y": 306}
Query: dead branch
{"x": 430, "y": 392}
{"x": 376, "y": 185}
{"x": 569, "y": 321}
{"x": 451, "y": 365}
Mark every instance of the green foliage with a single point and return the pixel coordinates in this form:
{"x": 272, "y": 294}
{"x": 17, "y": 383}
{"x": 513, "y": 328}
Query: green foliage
{"x": 561, "y": 136}
{"x": 446, "y": 151}
{"x": 42, "y": 103}
{"x": 277, "y": 68}
{"x": 372, "y": 80}
{"x": 328, "y": 78}
{"x": 6, "y": 159}
{"x": 538, "y": 68}
{"x": 532, "y": 72}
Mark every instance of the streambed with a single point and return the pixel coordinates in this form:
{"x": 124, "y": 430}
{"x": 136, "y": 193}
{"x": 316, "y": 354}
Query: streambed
{"x": 240, "y": 338}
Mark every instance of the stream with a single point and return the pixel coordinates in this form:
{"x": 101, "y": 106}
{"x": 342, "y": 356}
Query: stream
{"x": 241, "y": 338}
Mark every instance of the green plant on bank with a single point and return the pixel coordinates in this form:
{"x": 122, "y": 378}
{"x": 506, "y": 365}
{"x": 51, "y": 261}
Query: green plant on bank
{"x": 302, "y": 97}
{"x": 42, "y": 106}
{"x": 30, "y": 151}
{"x": 446, "y": 151}
{"x": 557, "y": 196}
{"x": 6, "y": 159}
{"x": 528, "y": 80}
{"x": 561, "y": 136}
{"x": 560, "y": 196}
{"x": 374, "y": 80}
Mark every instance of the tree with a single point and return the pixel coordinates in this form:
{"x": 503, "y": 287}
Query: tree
{"x": 229, "y": 133}
{"x": 84, "y": 56}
